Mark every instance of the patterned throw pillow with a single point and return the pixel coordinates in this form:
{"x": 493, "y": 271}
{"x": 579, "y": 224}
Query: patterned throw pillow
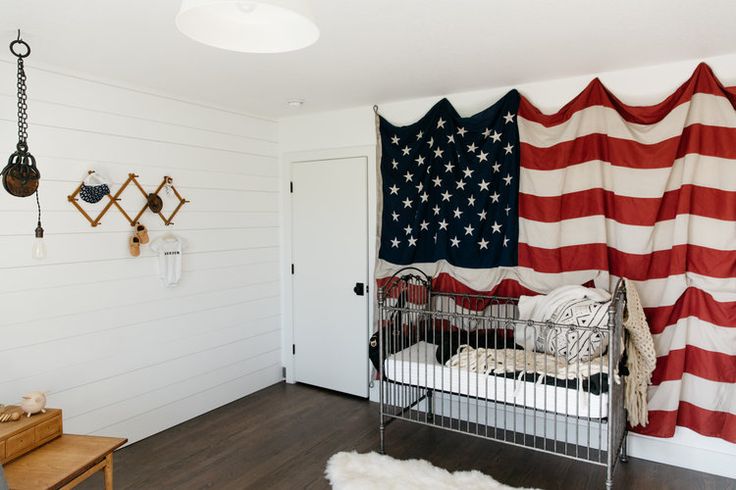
{"x": 578, "y": 344}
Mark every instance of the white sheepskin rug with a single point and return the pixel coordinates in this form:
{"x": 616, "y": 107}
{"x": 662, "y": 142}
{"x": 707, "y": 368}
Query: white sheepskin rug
{"x": 354, "y": 471}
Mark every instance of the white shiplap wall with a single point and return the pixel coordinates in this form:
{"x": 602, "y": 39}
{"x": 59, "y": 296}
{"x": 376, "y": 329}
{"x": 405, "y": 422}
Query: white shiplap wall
{"x": 91, "y": 325}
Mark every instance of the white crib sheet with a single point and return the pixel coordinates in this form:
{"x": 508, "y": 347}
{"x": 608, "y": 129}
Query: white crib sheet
{"x": 418, "y": 366}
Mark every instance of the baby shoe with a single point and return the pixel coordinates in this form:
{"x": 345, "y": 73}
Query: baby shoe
{"x": 142, "y": 233}
{"x": 135, "y": 246}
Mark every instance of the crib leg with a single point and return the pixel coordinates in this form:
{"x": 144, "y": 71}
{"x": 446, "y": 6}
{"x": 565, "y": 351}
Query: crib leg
{"x": 382, "y": 444}
{"x": 430, "y": 405}
{"x": 624, "y": 455}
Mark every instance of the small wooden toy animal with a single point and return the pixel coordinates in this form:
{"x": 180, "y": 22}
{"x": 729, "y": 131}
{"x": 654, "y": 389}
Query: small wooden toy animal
{"x": 10, "y": 413}
{"x": 33, "y": 402}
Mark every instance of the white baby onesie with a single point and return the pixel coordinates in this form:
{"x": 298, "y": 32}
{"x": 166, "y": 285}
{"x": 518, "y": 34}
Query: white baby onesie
{"x": 169, "y": 250}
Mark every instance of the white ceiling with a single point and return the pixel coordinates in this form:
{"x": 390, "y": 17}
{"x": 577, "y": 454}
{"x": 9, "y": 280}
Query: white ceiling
{"x": 372, "y": 51}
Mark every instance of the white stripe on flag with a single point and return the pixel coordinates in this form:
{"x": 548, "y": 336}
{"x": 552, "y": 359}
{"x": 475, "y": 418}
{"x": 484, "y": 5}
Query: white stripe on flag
{"x": 632, "y": 239}
{"x": 704, "y": 393}
{"x": 703, "y": 171}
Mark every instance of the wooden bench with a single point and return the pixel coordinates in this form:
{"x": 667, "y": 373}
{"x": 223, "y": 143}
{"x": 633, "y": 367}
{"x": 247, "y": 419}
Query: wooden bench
{"x": 63, "y": 463}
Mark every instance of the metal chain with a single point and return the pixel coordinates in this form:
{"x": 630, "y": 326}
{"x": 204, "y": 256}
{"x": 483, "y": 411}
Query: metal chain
{"x": 22, "y": 106}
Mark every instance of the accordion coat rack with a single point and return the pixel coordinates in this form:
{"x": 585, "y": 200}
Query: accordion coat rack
{"x": 114, "y": 201}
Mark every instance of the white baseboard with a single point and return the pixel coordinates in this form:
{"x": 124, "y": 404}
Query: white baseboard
{"x": 687, "y": 449}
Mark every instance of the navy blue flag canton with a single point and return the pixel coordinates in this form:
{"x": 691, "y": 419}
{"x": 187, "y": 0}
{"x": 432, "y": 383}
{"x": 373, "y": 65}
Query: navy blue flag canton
{"x": 450, "y": 187}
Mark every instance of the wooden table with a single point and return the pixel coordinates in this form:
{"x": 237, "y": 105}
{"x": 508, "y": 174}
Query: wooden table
{"x": 63, "y": 463}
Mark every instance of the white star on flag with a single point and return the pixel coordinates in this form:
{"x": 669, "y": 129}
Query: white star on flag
{"x": 508, "y": 118}
{"x": 395, "y": 140}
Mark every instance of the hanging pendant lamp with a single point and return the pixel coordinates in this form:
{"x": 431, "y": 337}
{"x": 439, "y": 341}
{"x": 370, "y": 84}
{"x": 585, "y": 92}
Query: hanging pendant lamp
{"x": 21, "y": 176}
{"x": 272, "y": 26}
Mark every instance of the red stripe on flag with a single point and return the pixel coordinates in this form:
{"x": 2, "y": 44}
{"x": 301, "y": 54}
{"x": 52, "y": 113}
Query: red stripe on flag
{"x": 638, "y": 267}
{"x": 641, "y": 211}
{"x": 694, "y": 139}
{"x": 707, "y": 422}
{"x": 705, "y": 364}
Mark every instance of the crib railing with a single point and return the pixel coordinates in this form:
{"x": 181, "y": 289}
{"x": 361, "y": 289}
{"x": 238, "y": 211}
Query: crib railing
{"x": 450, "y": 361}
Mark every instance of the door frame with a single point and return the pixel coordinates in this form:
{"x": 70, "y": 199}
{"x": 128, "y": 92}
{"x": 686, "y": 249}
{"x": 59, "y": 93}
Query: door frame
{"x": 287, "y": 292}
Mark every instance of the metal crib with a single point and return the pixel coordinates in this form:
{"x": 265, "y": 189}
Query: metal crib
{"x": 492, "y": 392}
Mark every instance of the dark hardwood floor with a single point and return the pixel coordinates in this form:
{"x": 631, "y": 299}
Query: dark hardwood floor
{"x": 282, "y": 436}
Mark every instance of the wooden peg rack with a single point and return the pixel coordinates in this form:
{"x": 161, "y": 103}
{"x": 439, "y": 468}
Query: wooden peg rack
{"x": 114, "y": 200}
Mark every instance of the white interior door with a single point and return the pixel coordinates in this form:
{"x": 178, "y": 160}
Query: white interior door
{"x": 330, "y": 265}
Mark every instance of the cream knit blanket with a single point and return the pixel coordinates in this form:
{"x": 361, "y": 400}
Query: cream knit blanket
{"x": 500, "y": 361}
{"x": 641, "y": 358}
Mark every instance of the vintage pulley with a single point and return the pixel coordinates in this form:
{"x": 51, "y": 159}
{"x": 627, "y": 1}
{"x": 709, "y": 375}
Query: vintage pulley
{"x": 20, "y": 175}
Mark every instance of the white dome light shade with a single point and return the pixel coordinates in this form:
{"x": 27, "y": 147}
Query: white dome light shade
{"x": 273, "y": 26}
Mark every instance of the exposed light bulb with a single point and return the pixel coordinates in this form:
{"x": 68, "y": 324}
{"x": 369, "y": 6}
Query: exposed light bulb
{"x": 39, "y": 246}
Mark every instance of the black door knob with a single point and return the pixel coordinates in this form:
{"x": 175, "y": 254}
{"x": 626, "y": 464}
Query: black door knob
{"x": 359, "y": 289}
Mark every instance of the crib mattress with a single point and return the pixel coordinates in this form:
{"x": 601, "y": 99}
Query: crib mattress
{"x": 418, "y": 366}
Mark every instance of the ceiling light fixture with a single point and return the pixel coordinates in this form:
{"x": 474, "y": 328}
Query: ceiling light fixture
{"x": 295, "y": 102}
{"x": 272, "y": 26}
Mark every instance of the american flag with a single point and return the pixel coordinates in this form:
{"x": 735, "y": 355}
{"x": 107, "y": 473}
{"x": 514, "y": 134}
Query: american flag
{"x": 608, "y": 190}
